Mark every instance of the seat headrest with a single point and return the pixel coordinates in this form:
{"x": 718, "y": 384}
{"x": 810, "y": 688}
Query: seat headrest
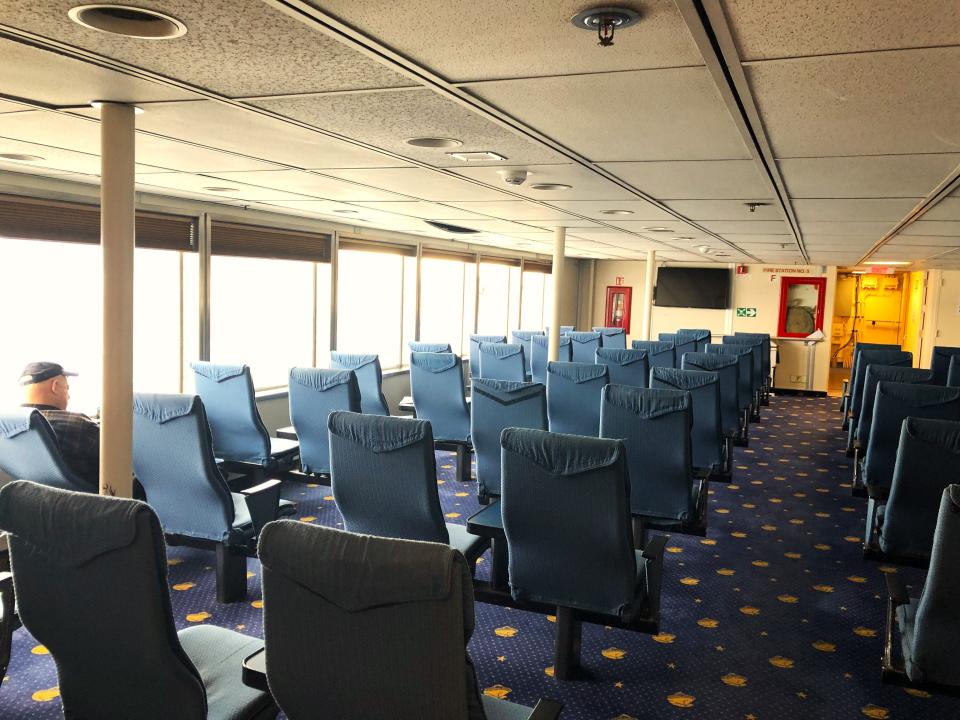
{"x": 559, "y": 454}
{"x": 216, "y": 372}
{"x": 946, "y": 350}
{"x": 544, "y": 340}
{"x": 918, "y": 395}
{"x": 488, "y": 338}
{"x": 429, "y": 347}
{"x": 870, "y": 356}
{"x": 610, "y": 331}
{"x": 728, "y": 349}
{"x": 709, "y": 361}
{"x": 163, "y": 408}
{"x": 577, "y": 372}
{"x": 954, "y": 491}
{"x": 16, "y": 422}
{"x": 695, "y": 333}
{"x": 434, "y": 362}
{"x": 507, "y": 392}
{"x": 352, "y": 361}
{"x": 69, "y": 528}
{"x": 654, "y": 347}
{"x": 684, "y": 379}
{"x": 357, "y": 572}
{"x": 526, "y": 334}
{"x": 647, "y": 403}
{"x": 501, "y": 350}
{"x": 584, "y": 337}
{"x": 619, "y": 356}
{"x": 742, "y": 340}
{"x": 379, "y": 433}
{"x": 319, "y": 378}
{"x": 945, "y": 434}
{"x": 898, "y": 373}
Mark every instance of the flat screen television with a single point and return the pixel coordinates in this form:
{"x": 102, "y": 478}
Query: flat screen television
{"x": 679, "y": 286}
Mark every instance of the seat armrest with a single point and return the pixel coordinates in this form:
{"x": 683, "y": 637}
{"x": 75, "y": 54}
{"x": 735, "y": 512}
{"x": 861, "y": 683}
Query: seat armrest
{"x": 546, "y": 710}
{"x": 653, "y": 550}
{"x": 263, "y": 503}
{"x": 877, "y": 493}
{"x": 896, "y": 589}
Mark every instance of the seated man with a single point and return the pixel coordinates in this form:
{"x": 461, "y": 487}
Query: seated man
{"x": 46, "y": 388}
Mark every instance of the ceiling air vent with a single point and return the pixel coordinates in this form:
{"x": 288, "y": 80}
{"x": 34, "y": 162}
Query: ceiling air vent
{"x": 128, "y": 21}
{"x": 456, "y": 229}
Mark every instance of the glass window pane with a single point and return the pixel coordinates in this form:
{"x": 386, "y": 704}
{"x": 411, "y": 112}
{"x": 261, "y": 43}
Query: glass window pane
{"x": 493, "y": 317}
{"x": 156, "y": 321}
{"x": 513, "y": 306}
{"x": 469, "y": 305}
{"x": 532, "y": 309}
{"x": 257, "y": 306}
{"x": 370, "y": 294}
{"x": 442, "y": 301}
{"x": 323, "y": 314}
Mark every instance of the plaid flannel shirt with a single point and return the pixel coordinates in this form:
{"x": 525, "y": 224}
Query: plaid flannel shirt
{"x": 78, "y": 438}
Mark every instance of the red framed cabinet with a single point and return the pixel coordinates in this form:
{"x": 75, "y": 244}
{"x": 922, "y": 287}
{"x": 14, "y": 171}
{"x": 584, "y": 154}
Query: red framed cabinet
{"x": 617, "y": 313}
{"x": 801, "y": 305}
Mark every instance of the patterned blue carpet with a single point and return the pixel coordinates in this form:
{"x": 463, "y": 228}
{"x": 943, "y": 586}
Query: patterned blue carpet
{"x": 774, "y": 615}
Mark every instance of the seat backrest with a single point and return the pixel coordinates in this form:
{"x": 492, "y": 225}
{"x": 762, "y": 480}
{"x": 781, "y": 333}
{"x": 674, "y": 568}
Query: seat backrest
{"x": 584, "y": 346}
{"x": 880, "y": 373}
{"x": 627, "y": 367}
{"x": 727, "y": 368}
{"x": 936, "y": 633}
{"x": 540, "y": 351}
{"x": 314, "y": 394}
{"x": 525, "y": 337}
{"x": 503, "y": 361}
{"x": 174, "y": 461}
{"x": 573, "y": 397}
{"x": 744, "y": 355}
{"x": 499, "y": 404}
{"x": 366, "y": 627}
{"x": 865, "y": 358}
{"x": 894, "y": 403}
{"x": 91, "y": 584}
{"x": 384, "y": 476}
{"x": 475, "y": 341}
{"x": 436, "y": 383}
{"x": 416, "y": 346}
{"x": 940, "y": 362}
{"x": 701, "y": 337}
{"x": 764, "y": 339}
{"x": 756, "y": 355}
{"x": 369, "y": 378}
{"x": 928, "y": 460}
{"x": 231, "y": 407}
{"x": 29, "y": 451}
{"x": 953, "y": 374}
{"x": 566, "y": 515}
{"x": 659, "y": 353}
{"x": 706, "y": 435}
{"x": 614, "y": 338}
{"x": 654, "y": 425}
{"x": 682, "y": 342}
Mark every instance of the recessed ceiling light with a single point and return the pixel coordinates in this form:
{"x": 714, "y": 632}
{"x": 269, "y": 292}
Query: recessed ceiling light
{"x": 434, "y": 142}
{"x": 137, "y": 110}
{"x": 890, "y": 262}
{"x": 550, "y": 186}
{"x": 656, "y": 229}
{"x": 128, "y": 21}
{"x": 21, "y": 157}
{"x": 220, "y": 189}
{"x": 476, "y": 156}
{"x": 346, "y": 212}
{"x": 682, "y": 237}
{"x": 617, "y": 212}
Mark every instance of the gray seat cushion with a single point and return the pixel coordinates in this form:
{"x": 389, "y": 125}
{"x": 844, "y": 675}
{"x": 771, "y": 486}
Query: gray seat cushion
{"x": 217, "y": 653}
{"x": 502, "y": 710}
{"x": 241, "y": 515}
{"x": 283, "y": 446}
{"x": 472, "y": 546}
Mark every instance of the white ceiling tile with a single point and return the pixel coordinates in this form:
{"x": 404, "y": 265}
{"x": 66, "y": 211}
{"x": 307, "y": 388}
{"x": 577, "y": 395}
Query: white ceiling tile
{"x": 647, "y": 115}
{"x": 431, "y": 211}
{"x": 158, "y": 182}
{"x": 419, "y": 183}
{"x": 933, "y": 227}
{"x": 586, "y": 184}
{"x": 874, "y": 104}
{"x": 641, "y": 209}
{"x": 747, "y": 227}
{"x": 312, "y": 184}
{"x": 519, "y": 210}
{"x": 946, "y": 209}
{"x": 726, "y": 209}
{"x": 908, "y": 252}
{"x": 54, "y": 160}
{"x": 874, "y": 176}
{"x": 692, "y": 180}
{"x": 7, "y": 106}
{"x": 874, "y": 210}
{"x": 872, "y": 229}
{"x": 809, "y": 27}
{"x": 938, "y": 240}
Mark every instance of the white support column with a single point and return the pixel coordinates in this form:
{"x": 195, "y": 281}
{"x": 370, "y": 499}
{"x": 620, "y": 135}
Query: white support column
{"x": 559, "y": 247}
{"x": 651, "y": 278}
{"x": 117, "y": 151}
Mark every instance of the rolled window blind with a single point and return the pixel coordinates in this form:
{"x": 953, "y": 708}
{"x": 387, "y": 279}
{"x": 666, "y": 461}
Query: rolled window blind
{"x": 372, "y": 246}
{"x": 539, "y": 267}
{"x": 444, "y": 254}
{"x": 258, "y": 241}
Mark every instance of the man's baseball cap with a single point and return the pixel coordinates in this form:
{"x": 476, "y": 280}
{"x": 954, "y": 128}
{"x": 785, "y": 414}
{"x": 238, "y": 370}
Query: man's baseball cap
{"x": 37, "y": 372}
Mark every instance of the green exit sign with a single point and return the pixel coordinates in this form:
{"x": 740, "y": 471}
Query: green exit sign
{"x": 746, "y": 312}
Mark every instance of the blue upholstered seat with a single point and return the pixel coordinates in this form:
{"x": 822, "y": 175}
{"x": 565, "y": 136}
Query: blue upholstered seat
{"x": 416, "y": 346}
{"x": 498, "y": 404}
{"x": 173, "y": 460}
{"x": 893, "y": 404}
{"x": 704, "y": 388}
{"x": 564, "y": 330}
{"x": 614, "y": 338}
{"x": 953, "y": 374}
{"x": 848, "y": 389}
{"x": 928, "y": 460}
{"x": 231, "y": 408}
{"x": 682, "y": 343}
{"x": 764, "y": 339}
{"x": 930, "y": 626}
{"x": 659, "y": 353}
{"x": 701, "y": 337}
{"x": 525, "y": 338}
{"x": 540, "y": 352}
{"x": 940, "y": 362}
{"x": 627, "y": 367}
{"x": 744, "y": 355}
{"x": 384, "y": 478}
{"x": 475, "y": 341}
{"x": 865, "y": 358}
{"x": 503, "y": 361}
{"x": 29, "y": 451}
{"x": 584, "y": 346}
{"x": 91, "y": 582}
{"x": 436, "y": 383}
{"x": 756, "y": 356}
{"x": 314, "y": 394}
{"x": 727, "y": 368}
{"x": 876, "y": 374}
{"x": 369, "y": 378}
{"x": 573, "y": 397}
{"x": 655, "y": 426}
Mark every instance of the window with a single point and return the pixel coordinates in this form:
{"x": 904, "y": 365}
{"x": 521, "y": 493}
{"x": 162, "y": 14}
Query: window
{"x": 537, "y": 297}
{"x": 499, "y": 310}
{"x": 447, "y": 299}
{"x": 376, "y": 301}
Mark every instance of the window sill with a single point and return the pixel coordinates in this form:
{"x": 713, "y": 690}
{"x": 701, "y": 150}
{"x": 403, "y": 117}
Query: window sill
{"x": 282, "y": 391}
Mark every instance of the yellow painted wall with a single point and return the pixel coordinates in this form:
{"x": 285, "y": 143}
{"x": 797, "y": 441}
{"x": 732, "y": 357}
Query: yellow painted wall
{"x": 914, "y": 291}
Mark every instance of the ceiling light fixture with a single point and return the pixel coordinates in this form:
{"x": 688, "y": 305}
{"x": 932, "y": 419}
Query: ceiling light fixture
{"x": 617, "y": 212}
{"x": 477, "y": 156}
{"x": 890, "y": 262}
{"x": 220, "y": 189}
{"x": 605, "y": 20}
{"x": 128, "y": 21}
{"x": 550, "y": 186}
{"x": 346, "y": 212}
{"x": 434, "y": 142}
{"x": 656, "y": 229}
{"x": 21, "y": 157}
